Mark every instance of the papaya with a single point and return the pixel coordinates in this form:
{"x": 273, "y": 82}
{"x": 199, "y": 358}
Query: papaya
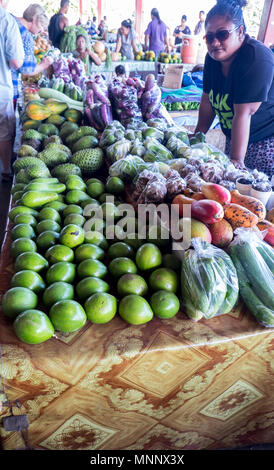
{"x": 250, "y": 203}
{"x": 267, "y": 225}
{"x": 239, "y": 216}
{"x": 270, "y": 215}
{"x": 55, "y": 106}
{"x": 37, "y": 111}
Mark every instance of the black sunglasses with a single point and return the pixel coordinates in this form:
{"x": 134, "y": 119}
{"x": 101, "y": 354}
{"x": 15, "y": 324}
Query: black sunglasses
{"x": 221, "y": 35}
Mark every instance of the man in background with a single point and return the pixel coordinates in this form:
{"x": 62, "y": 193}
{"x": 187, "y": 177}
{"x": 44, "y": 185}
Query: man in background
{"x": 200, "y": 26}
{"x": 11, "y": 58}
{"x": 57, "y": 24}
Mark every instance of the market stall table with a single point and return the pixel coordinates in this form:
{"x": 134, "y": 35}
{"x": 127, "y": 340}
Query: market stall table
{"x": 168, "y": 385}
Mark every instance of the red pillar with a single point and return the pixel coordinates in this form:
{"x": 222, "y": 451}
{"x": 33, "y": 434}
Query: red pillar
{"x": 99, "y": 7}
{"x": 80, "y": 8}
{"x": 269, "y": 33}
{"x": 138, "y": 18}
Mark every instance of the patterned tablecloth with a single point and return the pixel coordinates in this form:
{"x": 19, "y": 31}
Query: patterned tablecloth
{"x": 170, "y": 384}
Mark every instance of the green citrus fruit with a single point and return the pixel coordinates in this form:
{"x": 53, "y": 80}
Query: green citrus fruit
{"x": 22, "y": 231}
{"x": 25, "y": 219}
{"x": 75, "y": 196}
{"x": 132, "y": 240}
{"x": 131, "y": 284}
{"x": 47, "y": 224}
{"x": 47, "y": 239}
{"x": 114, "y": 185}
{"x": 30, "y": 260}
{"x": 96, "y": 238}
{"x": 76, "y": 219}
{"x": 72, "y": 235}
{"x": 21, "y": 210}
{"x": 101, "y": 307}
{"x": 75, "y": 182}
{"x": 95, "y": 189}
{"x": 57, "y": 253}
{"x": 164, "y": 304}
{"x": 91, "y": 268}
{"x": 135, "y": 310}
{"x": 106, "y": 197}
{"x": 120, "y": 249}
{"x": 148, "y": 256}
{"x": 21, "y": 245}
{"x": 61, "y": 271}
{"x": 57, "y": 205}
{"x": 88, "y": 251}
{"x": 164, "y": 279}
{"x": 33, "y": 327}
{"x": 93, "y": 180}
{"x": 49, "y": 213}
{"x": 57, "y": 291}
{"x": 119, "y": 266}
{"x": 30, "y": 279}
{"x": 67, "y": 316}
{"x": 94, "y": 224}
{"x": 90, "y": 285}
{"x": 72, "y": 209}
{"x": 17, "y": 300}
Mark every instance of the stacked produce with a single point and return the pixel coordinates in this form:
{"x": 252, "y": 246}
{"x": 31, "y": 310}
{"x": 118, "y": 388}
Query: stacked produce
{"x": 97, "y": 104}
{"x": 181, "y": 105}
{"x": 124, "y": 96}
{"x": 147, "y": 55}
{"x": 68, "y": 42}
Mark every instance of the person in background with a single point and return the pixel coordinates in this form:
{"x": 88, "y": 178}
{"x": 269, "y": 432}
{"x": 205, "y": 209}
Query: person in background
{"x": 156, "y": 34}
{"x": 126, "y": 40}
{"x": 101, "y": 28}
{"x": 11, "y": 58}
{"x": 84, "y": 53}
{"x": 34, "y": 21}
{"x": 88, "y": 23}
{"x": 180, "y": 30}
{"x": 238, "y": 87}
{"x": 105, "y": 21}
{"x": 57, "y": 24}
{"x": 79, "y": 22}
{"x": 200, "y": 26}
{"x": 120, "y": 71}
{"x": 93, "y": 28}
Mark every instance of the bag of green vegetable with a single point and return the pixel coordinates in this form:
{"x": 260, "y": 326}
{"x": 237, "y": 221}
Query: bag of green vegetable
{"x": 254, "y": 262}
{"x": 155, "y": 151}
{"x": 158, "y": 123}
{"x": 110, "y": 136}
{"x": 209, "y": 281}
{"x": 118, "y": 150}
{"x": 127, "y": 168}
{"x": 138, "y": 148}
{"x": 178, "y": 147}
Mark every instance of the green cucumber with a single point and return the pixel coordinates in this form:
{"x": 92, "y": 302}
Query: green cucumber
{"x": 263, "y": 314}
{"x": 232, "y": 285}
{"x": 191, "y": 283}
{"x": 267, "y": 254}
{"x": 216, "y": 288}
{"x": 191, "y": 311}
{"x": 47, "y": 93}
{"x": 56, "y": 187}
{"x": 259, "y": 274}
{"x": 50, "y": 180}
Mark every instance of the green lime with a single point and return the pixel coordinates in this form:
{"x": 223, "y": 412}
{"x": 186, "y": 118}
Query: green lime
{"x": 75, "y": 196}
{"x": 88, "y": 204}
{"x": 72, "y": 209}
{"x": 47, "y": 239}
{"x": 91, "y": 268}
{"x": 120, "y": 249}
{"x": 67, "y": 316}
{"x": 114, "y": 185}
{"x": 95, "y": 189}
{"x": 110, "y": 211}
{"x": 93, "y": 180}
{"x": 171, "y": 261}
{"x": 57, "y": 205}
{"x": 96, "y": 238}
{"x": 30, "y": 260}
{"x": 49, "y": 213}
{"x": 47, "y": 224}
{"x": 25, "y": 219}
{"x": 72, "y": 235}
{"x": 148, "y": 256}
{"x": 164, "y": 279}
{"x": 164, "y": 304}
{"x": 30, "y": 279}
{"x": 61, "y": 271}
{"x": 76, "y": 219}
{"x": 57, "y": 291}
{"x": 132, "y": 284}
{"x": 101, "y": 307}
{"x": 33, "y": 327}
{"x": 135, "y": 310}
{"x": 89, "y": 286}
{"x": 21, "y": 210}
{"x": 75, "y": 182}
{"x": 22, "y": 231}
{"x": 106, "y": 197}
{"x": 57, "y": 253}
{"x": 88, "y": 251}
{"x": 21, "y": 245}
{"x": 133, "y": 240}
{"x": 17, "y": 300}
{"x": 119, "y": 266}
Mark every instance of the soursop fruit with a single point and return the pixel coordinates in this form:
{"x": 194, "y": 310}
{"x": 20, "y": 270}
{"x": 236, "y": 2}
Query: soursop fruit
{"x": 34, "y": 143}
{"x": 88, "y": 160}
{"x": 58, "y": 147}
{"x": 81, "y": 132}
{"x": 27, "y": 162}
{"x": 22, "y": 176}
{"x": 62, "y": 171}
{"x": 52, "y": 157}
{"x": 26, "y": 151}
{"x": 66, "y": 129}
{"x": 36, "y": 172}
{"x": 86, "y": 142}
{"x": 53, "y": 139}
{"x": 31, "y": 134}
{"x": 48, "y": 129}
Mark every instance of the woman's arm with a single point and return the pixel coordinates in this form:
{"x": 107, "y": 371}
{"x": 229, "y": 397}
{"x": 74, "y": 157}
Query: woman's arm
{"x": 166, "y": 43}
{"x": 94, "y": 57}
{"x": 240, "y": 131}
{"x": 134, "y": 46}
{"x": 206, "y": 115}
{"x": 118, "y": 44}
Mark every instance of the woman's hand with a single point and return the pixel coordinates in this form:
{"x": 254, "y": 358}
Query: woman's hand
{"x": 238, "y": 163}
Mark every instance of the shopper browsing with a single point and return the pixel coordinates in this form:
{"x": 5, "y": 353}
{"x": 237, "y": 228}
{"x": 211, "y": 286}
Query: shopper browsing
{"x": 126, "y": 40}
{"x": 156, "y": 34}
{"x": 57, "y": 24}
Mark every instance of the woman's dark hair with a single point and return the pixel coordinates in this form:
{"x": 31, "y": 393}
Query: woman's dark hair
{"x": 81, "y": 36}
{"x": 127, "y": 23}
{"x": 230, "y": 9}
{"x": 120, "y": 70}
{"x": 184, "y": 17}
{"x": 154, "y": 12}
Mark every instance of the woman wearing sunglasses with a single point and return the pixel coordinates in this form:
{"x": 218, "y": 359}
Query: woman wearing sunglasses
{"x": 238, "y": 87}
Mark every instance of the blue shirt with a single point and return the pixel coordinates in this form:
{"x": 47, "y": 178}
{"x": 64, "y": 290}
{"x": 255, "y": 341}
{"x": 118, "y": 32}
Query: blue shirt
{"x": 11, "y": 48}
{"x": 29, "y": 59}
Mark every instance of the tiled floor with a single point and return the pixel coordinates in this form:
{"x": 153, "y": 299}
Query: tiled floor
{"x": 4, "y": 203}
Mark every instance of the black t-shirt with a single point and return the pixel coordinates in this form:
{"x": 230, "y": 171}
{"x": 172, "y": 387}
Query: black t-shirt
{"x": 250, "y": 80}
{"x": 55, "y": 32}
{"x": 178, "y": 30}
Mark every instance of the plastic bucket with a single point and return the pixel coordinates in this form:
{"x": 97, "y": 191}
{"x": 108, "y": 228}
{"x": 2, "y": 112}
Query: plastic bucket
{"x": 189, "y": 49}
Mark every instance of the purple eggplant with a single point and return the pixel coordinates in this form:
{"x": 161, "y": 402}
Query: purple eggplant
{"x": 89, "y": 98}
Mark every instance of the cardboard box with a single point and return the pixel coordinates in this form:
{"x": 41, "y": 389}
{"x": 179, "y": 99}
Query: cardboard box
{"x": 173, "y": 76}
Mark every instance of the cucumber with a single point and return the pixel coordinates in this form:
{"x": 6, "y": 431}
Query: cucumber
{"x": 217, "y": 287}
{"x": 259, "y": 274}
{"x": 191, "y": 283}
{"x": 191, "y": 312}
{"x": 232, "y": 284}
{"x": 50, "y": 180}
{"x": 56, "y": 187}
{"x": 57, "y": 95}
{"x": 263, "y": 314}
{"x": 267, "y": 254}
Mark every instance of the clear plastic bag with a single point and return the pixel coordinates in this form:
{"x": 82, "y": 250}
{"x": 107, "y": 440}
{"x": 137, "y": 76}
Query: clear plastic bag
{"x": 254, "y": 262}
{"x": 128, "y": 167}
{"x": 209, "y": 281}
